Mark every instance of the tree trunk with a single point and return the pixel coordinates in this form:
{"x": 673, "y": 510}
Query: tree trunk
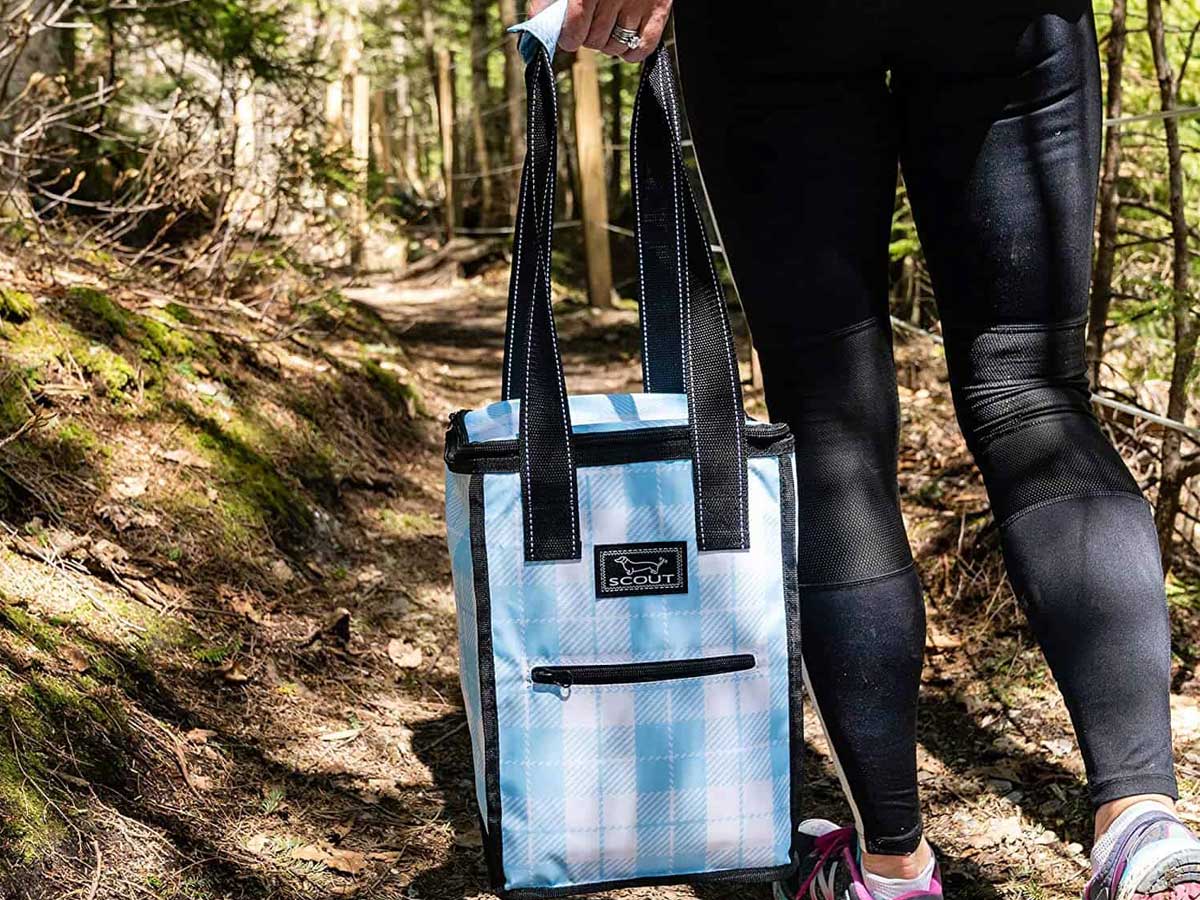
{"x": 568, "y": 175}
{"x": 360, "y": 152}
{"x": 1174, "y": 466}
{"x": 616, "y": 136}
{"x": 514, "y": 90}
{"x": 381, "y": 137}
{"x": 445, "y": 95}
{"x": 409, "y": 158}
{"x": 479, "y": 100}
{"x": 360, "y": 125}
{"x": 1106, "y": 252}
{"x": 589, "y": 139}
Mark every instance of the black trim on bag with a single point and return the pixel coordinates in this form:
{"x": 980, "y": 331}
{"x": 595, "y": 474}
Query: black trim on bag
{"x": 641, "y": 672}
{"x": 489, "y": 818}
{"x": 791, "y": 599}
{"x": 740, "y": 876}
{"x": 605, "y": 448}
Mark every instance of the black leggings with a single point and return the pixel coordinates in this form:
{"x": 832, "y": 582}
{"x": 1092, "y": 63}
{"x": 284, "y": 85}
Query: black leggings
{"x": 800, "y": 115}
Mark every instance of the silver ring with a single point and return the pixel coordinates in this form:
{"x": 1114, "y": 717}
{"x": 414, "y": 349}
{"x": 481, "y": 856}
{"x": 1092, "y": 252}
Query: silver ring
{"x": 626, "y": 36}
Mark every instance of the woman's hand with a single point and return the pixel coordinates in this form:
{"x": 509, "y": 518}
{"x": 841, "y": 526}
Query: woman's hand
{"x": 590, "y": 23}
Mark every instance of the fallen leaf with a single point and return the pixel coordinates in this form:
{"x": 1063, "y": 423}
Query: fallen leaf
{"x": 939, "y": 641}
{"x": 131, "y": 486}
{"x": 349, "y": 862}
{"x": 470, "y": 838}
{"x": 76, "y": 658}
{"x": 339, "y": 831}
{"x": 281, "y": 572}
{"x": 259, "y": 842}
{"x": 348, "y": 734}
{"x": 234, "y": 672}
{"x": 404, "y": 654}
{"x": 107, "y": 553}
{"x": 184, "y": 457}
{"x": 122, "y": 517}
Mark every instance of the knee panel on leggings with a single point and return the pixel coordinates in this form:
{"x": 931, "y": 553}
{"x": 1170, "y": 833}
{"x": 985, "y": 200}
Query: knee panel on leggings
{"x": 1022, "y": 399}
{"x": 837, "y": 391}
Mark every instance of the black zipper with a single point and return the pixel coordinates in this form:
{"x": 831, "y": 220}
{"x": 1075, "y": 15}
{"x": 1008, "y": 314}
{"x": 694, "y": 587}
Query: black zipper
{"x": 638, "y": 673}
{"x": 596, "y": 447}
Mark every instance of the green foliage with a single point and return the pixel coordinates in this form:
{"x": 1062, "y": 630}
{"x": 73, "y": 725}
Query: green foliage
{"x": 229, "y": 32}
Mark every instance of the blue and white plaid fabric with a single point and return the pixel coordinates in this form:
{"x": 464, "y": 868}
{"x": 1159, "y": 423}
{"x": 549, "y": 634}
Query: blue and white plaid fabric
{"x": 629, "y": 781}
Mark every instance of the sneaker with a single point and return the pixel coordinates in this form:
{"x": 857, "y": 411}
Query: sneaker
{"x": 829, "y": 868}
{"x": 1155, "y": 858}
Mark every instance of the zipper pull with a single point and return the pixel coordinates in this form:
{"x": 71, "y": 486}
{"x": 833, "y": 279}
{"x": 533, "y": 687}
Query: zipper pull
{"x": 557, "y": 676}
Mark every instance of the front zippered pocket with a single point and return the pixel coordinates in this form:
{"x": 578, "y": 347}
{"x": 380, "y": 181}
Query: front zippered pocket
{"x": 639, "y": 673}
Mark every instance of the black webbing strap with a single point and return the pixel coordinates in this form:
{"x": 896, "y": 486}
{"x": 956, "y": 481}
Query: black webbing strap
{"x": 690, "y": 346}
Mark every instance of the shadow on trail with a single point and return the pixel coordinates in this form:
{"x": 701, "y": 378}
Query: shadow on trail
{"x": 444, "y": 746}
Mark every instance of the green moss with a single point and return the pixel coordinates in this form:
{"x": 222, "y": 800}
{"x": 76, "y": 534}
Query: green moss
{"x": 14, "y": 400}
{"x": 180, "y": 313}
{"x": 79, "y": 440}
{"x": 111, "y": 371}
{"x": 407, "y": 524}
{"x": 399, "y": 396}
{"x": 255, "y": 491}
{"x": 27, "y": 824}
{"x": 103, "y": 314}
{"x": 52, "y": 695}
{"x": 15, "y": 306}
{"x": 161, "y": 341}
{"x": 17, "y": 619}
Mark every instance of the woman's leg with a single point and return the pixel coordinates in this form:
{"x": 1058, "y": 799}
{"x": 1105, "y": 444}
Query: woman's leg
{"x": 1001, "y": 120}
{"x": 797, "y": 141}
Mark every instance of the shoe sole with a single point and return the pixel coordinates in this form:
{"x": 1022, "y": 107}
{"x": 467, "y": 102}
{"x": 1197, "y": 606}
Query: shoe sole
{"x": 1160, "y": 876}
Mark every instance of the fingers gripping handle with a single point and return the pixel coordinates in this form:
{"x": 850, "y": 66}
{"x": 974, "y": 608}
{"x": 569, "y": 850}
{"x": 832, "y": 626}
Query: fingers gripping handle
{"x": 681, "y": 297}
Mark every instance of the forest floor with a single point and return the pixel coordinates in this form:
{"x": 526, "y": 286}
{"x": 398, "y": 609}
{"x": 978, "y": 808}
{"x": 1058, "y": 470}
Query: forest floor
{"x": 228, "y": 661}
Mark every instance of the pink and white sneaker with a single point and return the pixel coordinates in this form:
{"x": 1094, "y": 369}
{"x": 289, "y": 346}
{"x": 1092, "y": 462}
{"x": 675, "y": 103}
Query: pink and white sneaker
{"x": 1153, "y": 857}
{"x": 829, "y": 869}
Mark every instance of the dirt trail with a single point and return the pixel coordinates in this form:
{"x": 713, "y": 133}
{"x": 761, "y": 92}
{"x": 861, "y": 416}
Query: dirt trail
{"x": 294, "y": 725}
{"x": 1002, "y": 784}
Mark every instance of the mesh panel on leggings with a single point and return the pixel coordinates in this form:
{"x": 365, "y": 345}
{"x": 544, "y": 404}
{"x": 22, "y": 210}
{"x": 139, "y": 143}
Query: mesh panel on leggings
{"x": 838, "y": 393}
{"x": 1006, "y": 376}
{"x": 1023, "y": 402}
{"x": 1050, "y": 459}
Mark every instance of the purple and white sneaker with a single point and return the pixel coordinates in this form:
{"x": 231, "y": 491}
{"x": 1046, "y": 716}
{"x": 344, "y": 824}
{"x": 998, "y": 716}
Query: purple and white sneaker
{"x": 1150, "y": 855}
{"x": 829, "y": 868}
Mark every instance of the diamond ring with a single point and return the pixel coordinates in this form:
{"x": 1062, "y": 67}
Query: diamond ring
{"x": 626, "y": 36}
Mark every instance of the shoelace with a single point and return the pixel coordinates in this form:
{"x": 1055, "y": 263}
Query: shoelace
{"x": 819, "y": 885}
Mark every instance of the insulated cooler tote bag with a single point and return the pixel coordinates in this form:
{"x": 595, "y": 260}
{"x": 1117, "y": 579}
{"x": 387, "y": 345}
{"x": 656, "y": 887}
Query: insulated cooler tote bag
{"x": 624, "y": 566}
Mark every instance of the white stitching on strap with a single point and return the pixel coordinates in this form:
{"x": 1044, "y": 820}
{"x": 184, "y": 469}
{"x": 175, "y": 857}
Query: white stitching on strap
{"x": 741, "y": 473}
{"x": 515, "y": 288}
{"x": 637, "y": 231}
{"x": 575, "y": 537}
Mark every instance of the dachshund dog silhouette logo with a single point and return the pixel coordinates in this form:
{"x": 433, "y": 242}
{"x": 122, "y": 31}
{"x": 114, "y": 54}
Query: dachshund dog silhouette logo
{"x": 640, "y": 568}
{"x": 634, "y": 570}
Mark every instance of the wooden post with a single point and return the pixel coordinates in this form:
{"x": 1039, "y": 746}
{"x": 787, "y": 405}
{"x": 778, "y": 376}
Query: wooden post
{"x": 514, "y": 91}
{"x": 589, "y": 137}
{"x": 360, "y": 150}
{"x": 381, "y": 136}
{"x": 245, "y": 194}
{"x": 479, "y": 99}
{"x": 445, "y": 89}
